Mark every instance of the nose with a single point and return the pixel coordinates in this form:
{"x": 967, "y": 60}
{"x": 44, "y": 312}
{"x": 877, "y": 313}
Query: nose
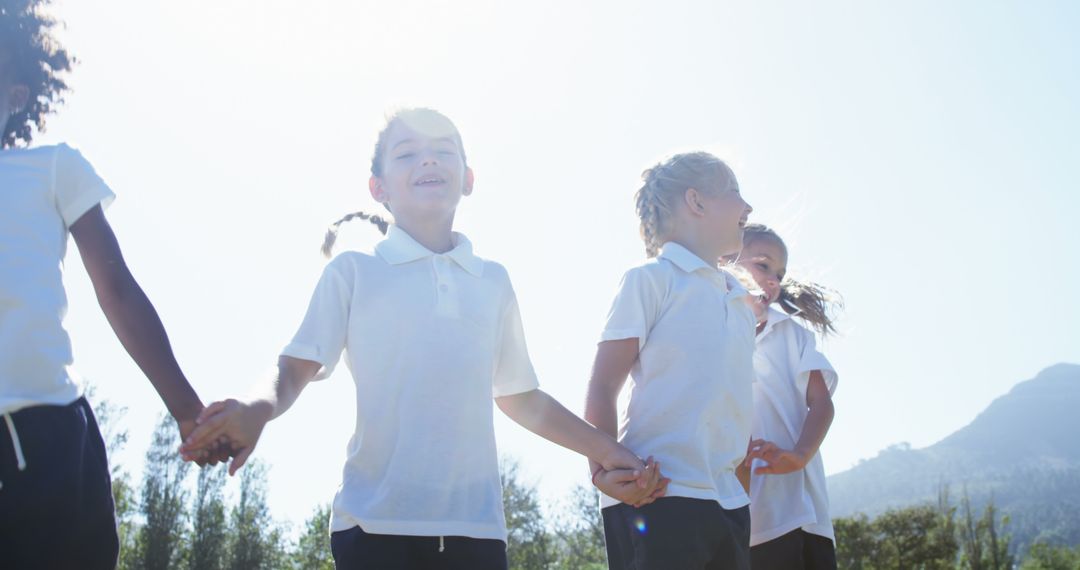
{"x": 429, "y": 157}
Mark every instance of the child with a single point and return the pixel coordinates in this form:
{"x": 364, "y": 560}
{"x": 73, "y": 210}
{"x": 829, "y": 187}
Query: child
{"x": 55, "y": 492}
{"x": 432, "y": 333}
{"x": 793, "y": 409}
{"x": 680, "y": 328}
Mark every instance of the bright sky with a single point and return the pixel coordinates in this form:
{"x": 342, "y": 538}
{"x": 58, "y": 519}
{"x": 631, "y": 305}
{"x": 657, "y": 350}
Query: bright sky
{"x": 920, "y": 157}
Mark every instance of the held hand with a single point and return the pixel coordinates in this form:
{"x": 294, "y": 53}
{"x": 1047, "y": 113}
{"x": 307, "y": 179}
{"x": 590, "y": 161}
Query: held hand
{"x": 219, "y": 452}
{"x": 241, "y": 423}
{"x": 619, "y": 458}
{"x": 778, "y": 460}
{"x": 631, "y": 486}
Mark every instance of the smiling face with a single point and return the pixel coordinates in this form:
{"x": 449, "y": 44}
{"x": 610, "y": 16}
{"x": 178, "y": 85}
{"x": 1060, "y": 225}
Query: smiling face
{"x": 421, "y": 171}
{"x": 725, "y": 215}
{"x": 766, "y": 260}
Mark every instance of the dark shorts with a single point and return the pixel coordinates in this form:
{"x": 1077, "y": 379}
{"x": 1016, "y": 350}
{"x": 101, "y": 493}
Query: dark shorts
{"x": 355, "y": 549}
{"x": 677, "y": 533}
{"x": 57, "y": 512}
{"x": 797, "y": 550}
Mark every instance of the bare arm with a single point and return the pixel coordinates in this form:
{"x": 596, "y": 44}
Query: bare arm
{"x": 614, "y": 359}
{"x": 132, "y": 317}
{"x": 541, "y": 414}
{"x": 818, "y": 419}
{"x": 243, "y": 422}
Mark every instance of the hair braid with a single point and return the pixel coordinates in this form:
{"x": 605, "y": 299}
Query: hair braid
{"x": 332, "y": 231}
{"x": 649, "y": 213}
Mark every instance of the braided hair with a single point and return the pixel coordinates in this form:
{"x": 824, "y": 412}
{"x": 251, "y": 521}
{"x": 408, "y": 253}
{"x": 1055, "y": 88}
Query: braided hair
{"x": 666, "y": 183}
{"x": 332, "y": 231}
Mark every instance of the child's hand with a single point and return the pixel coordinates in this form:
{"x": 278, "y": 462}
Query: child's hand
{"x": 242, "y": 423}
{"x": 619, "y": 458}
{"x": 778, "y": 460}
{"x": 631, "y": 486}
{"x": 220, "y": 451}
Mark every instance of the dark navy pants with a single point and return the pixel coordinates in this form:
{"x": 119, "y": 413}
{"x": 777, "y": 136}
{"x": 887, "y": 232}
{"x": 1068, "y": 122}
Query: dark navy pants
{"x": 355, "y": 549}
{"x": 57, "y": 511}
{"x": 796, "y": 550}
{"x": 677, "y": 533}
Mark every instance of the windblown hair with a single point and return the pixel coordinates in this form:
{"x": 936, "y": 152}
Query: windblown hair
{"x": 419, "y": 118}
{"x": 811, "y": 302}
{"x": 332, "y": 231}
{"x": 31, "y": 56}
{"x": 666, "y": 184}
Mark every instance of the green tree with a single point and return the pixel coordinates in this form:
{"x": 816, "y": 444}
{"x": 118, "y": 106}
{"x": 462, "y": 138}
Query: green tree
{"x": 161, "y": 539}
{"x": 313, "y": 549}
{"x": 255, "y": 542}
{"x": 208, "y": 533}
{"x": 529, "y": 545}
{"x": 983, "y": 546}
{"x": 1042, "y": 556}
{"x": 856, "y": 543}
{"x": 580, "y": 532}
{"x": 916, "y": 537}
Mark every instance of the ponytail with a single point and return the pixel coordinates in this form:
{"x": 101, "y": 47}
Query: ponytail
{"x": 811, "y": 302}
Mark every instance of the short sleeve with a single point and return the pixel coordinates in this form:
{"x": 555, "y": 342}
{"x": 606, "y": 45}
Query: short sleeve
{"x": 76, "y": 187}
{"x": 810, "y": 359}
{"x": 323, "y": 332}
{"x": 634, "y": 310}
{"x": 514, "y": 372}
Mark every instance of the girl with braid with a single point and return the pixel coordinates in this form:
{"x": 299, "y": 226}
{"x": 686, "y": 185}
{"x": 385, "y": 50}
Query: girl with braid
{"x": 682, "y": 331}
{"x": 432, "y": 335}
{"x": 793, "y": 409}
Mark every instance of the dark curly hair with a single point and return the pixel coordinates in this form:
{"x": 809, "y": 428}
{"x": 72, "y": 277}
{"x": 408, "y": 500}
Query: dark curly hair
{"x": 31, "y": 56}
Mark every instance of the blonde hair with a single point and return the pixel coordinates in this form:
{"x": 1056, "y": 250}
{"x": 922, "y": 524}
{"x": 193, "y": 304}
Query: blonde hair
{"x": 667, "y": 183}
{"x": 416, "y": 117}
{"x": 816, "y": 304}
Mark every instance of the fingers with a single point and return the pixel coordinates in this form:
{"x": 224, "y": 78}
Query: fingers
{"x": 618, "y": 476}
{"x": 212, "y": 409}
{"x": 649, "y": 473}
{"x": 205, "y": 434}
{"x": 239, "y": 460}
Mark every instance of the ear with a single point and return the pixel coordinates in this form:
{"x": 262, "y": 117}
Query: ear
{"x": 694, "y": 202}
{"x": 378, "y": 193}
{"x": 470, "y": 179}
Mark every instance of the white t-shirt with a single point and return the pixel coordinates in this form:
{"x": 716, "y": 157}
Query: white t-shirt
{"x": 43, "y": 191}
{"x": 690, "y": 396}
{"x": 430, "y": 340}
{"x": 786, "y": 354}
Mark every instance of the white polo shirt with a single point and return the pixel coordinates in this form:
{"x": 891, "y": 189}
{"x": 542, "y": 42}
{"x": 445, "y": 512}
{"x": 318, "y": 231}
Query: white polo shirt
{"x": 43, "y": 191}
{"x": 690, "y": 396}
{"x": 430, "y": 339}
{"x": 786, "y": 354}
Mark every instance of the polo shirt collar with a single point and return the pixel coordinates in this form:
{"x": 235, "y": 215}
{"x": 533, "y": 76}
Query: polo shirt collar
{"x": 774, "y": 317}
{"x": 399, "y": 247}
{"x": 683, "y": 258}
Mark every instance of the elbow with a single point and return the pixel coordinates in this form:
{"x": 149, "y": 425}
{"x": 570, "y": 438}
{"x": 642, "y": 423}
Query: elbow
{"x": 115, "y": 288}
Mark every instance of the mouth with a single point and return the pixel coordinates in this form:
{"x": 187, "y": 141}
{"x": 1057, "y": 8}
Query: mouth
{"x": 429, "y": 181}
{"x": 742, "y": 223}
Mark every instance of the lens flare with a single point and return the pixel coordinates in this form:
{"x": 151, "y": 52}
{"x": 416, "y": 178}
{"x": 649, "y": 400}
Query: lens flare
{"x": 639, "y": 524}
